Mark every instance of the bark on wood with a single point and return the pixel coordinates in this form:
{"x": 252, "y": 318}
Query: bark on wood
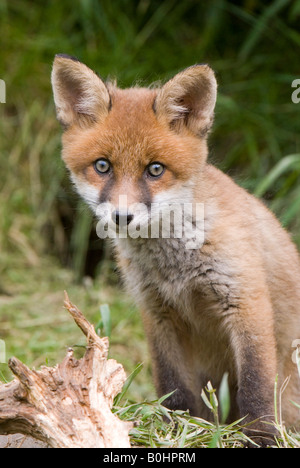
{"x": 67, "y": 406}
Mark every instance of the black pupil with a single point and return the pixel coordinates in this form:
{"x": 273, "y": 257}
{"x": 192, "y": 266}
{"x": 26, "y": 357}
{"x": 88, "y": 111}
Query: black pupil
{"x": 155, "y": 169}
{"x": 102, "y": 165}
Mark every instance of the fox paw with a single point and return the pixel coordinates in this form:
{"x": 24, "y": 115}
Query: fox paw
{"x": 260, "y": 438}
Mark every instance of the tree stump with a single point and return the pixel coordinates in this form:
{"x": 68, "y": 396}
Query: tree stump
{"x": 69, "y": 405}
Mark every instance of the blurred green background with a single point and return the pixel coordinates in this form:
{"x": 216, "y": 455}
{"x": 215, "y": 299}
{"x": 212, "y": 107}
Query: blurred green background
{"x": 47, "y": 236}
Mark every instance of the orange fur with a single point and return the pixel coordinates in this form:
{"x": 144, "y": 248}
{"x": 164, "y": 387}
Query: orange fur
{"x": 232, "y": 305}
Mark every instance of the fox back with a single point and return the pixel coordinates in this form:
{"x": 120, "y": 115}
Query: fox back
{"x": 227, "y": 302}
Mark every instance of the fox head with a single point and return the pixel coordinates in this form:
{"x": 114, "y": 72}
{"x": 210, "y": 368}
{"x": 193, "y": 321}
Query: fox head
{"x": 131, "y": 146}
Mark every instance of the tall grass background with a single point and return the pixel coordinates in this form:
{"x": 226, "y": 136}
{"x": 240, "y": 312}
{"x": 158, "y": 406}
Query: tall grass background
{"x": 47, "y": 236}
{"x": 253, "y": 46}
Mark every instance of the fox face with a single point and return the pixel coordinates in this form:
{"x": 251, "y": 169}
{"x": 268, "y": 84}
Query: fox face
{"x": 133, "y": 147}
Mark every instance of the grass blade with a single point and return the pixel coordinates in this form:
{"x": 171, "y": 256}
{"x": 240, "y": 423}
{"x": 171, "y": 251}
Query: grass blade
{"x": 290, "y": 162}
{"x": 224, "y": 397}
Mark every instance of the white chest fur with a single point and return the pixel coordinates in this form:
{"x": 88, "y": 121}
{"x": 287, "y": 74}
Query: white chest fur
{"x": 181, "y": 277}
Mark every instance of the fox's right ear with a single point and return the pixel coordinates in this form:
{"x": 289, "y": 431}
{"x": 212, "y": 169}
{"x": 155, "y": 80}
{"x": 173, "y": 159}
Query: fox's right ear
{"x": 80, "y": 96}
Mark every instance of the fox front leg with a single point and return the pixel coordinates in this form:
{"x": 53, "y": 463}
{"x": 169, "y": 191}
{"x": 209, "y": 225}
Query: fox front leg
{"x": 170, "y": 366}
{"x": 256, "y": 364}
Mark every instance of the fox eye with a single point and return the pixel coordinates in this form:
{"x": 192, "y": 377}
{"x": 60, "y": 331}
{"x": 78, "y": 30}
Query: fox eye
{"x": 155, "y": 169}
{"x": 102, "y": 166}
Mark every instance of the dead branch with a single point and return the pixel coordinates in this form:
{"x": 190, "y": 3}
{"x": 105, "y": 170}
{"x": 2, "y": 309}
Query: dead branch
{"x": 69, "y": 405}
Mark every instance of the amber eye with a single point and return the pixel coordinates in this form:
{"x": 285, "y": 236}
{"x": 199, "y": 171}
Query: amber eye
{"x": 102, "y": 166}
{"x": 155, "y": 169}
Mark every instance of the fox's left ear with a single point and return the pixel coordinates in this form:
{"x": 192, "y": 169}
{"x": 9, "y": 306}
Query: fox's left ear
{"x": 188, "y": 100}
{"x": 80, "y": 96}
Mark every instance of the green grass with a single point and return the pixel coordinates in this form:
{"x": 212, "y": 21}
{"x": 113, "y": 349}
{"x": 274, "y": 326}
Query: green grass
{"x": 256, "y": 124}
{"x": 37, "y": 329}
{"x": 156, "y": 426}
{"x": 47, "y": 236}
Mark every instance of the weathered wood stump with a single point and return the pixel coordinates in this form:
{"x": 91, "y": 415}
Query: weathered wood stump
{"x": 69, "y": 405}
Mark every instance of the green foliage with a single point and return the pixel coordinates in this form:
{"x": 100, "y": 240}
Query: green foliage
{"x": 254, "y": 48}
{"x": 105, "y": 321}
{"x": 157, "y": 426}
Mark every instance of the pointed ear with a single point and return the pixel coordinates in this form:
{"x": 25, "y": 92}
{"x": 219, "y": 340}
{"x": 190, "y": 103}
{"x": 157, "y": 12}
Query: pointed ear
{"x": 80, "y": 96}
{"x": 188, "y": 100}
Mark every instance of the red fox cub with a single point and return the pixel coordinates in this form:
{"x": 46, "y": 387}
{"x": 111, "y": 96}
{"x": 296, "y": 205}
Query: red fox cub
{"x": 220, "y": 292}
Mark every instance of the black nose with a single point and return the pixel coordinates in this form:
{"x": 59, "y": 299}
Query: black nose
{"x": 121, "y": 219}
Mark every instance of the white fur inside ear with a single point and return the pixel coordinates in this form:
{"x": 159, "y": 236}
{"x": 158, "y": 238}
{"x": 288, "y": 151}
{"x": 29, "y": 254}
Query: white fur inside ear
{"x": 188, "y": 100}
{"x": 176, "y": 111}
{"x": 80, "y": 96}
